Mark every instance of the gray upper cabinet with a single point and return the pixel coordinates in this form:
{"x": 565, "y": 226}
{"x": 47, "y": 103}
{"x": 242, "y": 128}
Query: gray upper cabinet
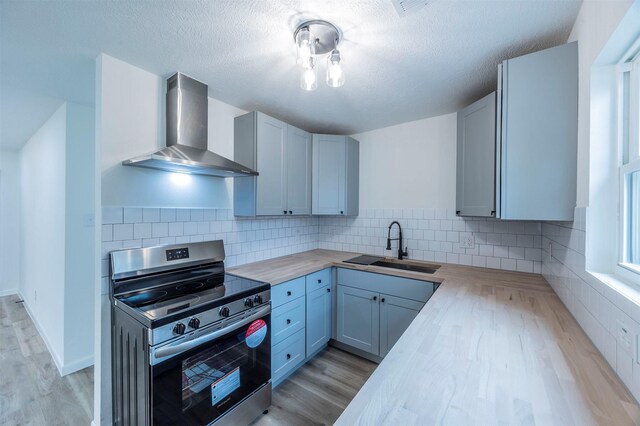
{"x": 281, "y": 154}
{"x": 537, "y": 137}
{"x": 298, "y": 171}
{"x": 475, "y": 167}
{"x": 535, "y": 144}
{"x": 335, "y": 178}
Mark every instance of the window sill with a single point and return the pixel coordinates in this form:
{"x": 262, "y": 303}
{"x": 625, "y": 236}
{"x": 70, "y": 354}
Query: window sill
{"x": 623, "y": 286}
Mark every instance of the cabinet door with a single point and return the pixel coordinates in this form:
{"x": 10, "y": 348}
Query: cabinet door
{"x": 329, "y": 168}
{"x": 475, "y": 183}
{"x": 539, "y": 135}
{"x": 271, "y": 198}
{"x": 298, "y": 171}
{"x": 358, "y": 319}
{"x": 318, "y": 319}
{"x": 396, "y": 314}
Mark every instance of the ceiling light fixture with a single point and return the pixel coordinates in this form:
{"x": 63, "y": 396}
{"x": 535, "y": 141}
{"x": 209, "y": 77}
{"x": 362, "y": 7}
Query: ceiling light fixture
{"x": 313, "y": 39}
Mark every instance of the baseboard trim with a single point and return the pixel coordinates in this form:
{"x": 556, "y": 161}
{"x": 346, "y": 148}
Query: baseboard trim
{"x": 78, "y": 365}
{"x": 10, "y": 292}
{"x": 62, "y": 368}
{"x": 54, "y": 354}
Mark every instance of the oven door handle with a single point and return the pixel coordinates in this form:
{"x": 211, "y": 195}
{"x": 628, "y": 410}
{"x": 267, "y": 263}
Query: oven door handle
{"x": 173, "y": 349}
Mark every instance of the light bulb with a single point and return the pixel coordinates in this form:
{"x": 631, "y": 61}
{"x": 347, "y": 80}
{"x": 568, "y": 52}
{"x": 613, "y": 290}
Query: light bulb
{"x": 306, "y": 47}
{"x": 309, "y": 77}
{"x": 335, "y": 73}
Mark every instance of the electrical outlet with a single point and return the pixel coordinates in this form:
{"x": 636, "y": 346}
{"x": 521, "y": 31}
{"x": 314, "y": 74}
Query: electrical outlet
{"x": 89, "y": 220}
{"x": 467, "y": 241}
{"x": 624, "y": 337}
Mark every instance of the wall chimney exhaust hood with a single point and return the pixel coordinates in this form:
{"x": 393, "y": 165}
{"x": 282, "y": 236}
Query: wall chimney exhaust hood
{"x": 186, "y": 152}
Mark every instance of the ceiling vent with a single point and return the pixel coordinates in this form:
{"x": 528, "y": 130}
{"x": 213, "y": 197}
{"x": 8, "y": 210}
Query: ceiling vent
{"x": 407, "y": 7}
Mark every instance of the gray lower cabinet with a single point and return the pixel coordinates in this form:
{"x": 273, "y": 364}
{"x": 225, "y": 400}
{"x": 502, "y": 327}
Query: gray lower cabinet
{"x": 335, "y": 176}
{"x": 281, "y": 154}
{"x": 287, "y": 328}
{"x": 319, "y": 316}
{"x": 374, "y": 310}
{"x": 301, "y": 321}
{"x": 358, "y": 319}
{"x": 396, "y": 314}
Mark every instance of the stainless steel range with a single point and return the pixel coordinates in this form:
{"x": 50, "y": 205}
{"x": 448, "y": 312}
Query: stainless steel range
{"x": 191, "y": 344}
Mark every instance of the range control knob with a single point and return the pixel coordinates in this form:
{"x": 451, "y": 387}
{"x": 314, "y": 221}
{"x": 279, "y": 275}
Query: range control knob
{"x": 179, "y": 328}
{"x": 248, "y": 302}
{"x": 257, "y": 300}
{"x": 194, "y": 323}
{"x": 224, "y": 312}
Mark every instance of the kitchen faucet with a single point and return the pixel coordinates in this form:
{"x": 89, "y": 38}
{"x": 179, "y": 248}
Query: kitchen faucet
{"x": 389, "y": 239}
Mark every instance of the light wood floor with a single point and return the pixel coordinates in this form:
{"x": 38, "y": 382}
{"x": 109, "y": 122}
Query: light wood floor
{"x": 319, "y": 391}
{"x": 31, "y": 389}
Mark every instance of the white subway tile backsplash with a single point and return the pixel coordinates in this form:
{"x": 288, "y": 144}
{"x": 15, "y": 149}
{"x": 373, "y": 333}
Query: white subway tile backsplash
{"x": 509, "y": 240}
{"x": 183, "y": 215}
{"x": 123, "y": 231}
{"x": 493, "y": 262}
{"x": 597, "y": 307}
{"x": 176, "y": 229}
{"x": 151, "y": 215}
{"x": 141, "y": 230}
{"x": 111, "y": 215}
{"x": 167, "y": 215}
{"x": 160, "y": 230}
{"x": 107, "y": 233}
{"x": 132, "y": 215}
{"x": 508, "y": 264}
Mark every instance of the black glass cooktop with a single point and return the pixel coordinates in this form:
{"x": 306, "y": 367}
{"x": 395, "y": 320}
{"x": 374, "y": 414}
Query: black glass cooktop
{"x": 160, "y": 302}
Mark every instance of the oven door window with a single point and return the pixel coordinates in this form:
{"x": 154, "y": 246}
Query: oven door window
{"x": 203, "y": 383}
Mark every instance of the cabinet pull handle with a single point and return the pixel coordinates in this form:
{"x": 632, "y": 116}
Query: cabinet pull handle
{"x": 319, "y": 281}
{"x": 328, "y": 290}
{"x": 375, "y": 298}
{"x": 290, "y": 212}
{"x": 284, "y": 211}
{"x": 288, "y": 293}
{"x": 382, "y": 300}
{"x": 341, "y": 212}
{"x": 288, "y": 356}
{"x": 288, "y": 321}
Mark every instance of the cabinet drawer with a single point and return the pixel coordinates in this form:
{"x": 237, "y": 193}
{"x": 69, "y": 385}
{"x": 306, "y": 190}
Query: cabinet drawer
{"x": 320, "y": 279}
{"x": 287, "y": 291}
{"x": 287, "y": 319}
{"x": 286, "y": 355}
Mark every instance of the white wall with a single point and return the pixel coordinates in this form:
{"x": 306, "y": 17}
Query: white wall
{"x": 57, "y": 249}
{"x": 42, "y": 230}
{"x": 9, "y": 221}
{"x": 133, "y": 123}
{"x": 130, "y": 121}
{"x": 410, "y": 165}
{"x": 592, "y": 28}
{"x": 572, "y": 249}
{"x": 79, "y": 238}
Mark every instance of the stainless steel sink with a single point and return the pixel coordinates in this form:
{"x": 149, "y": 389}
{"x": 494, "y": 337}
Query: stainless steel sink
{"x": 407, "y": 266}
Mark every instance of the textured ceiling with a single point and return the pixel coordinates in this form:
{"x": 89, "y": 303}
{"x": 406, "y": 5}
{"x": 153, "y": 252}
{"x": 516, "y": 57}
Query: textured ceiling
{"x": 397, "y": 69}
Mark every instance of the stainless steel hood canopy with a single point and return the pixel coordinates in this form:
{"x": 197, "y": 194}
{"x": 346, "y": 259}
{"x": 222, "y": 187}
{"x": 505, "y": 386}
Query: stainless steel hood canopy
{"x": 186, "y": 151}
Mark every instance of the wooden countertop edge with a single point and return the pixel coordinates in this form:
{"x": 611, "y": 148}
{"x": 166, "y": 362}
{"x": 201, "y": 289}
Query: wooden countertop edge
{"x": 318, "y": 264}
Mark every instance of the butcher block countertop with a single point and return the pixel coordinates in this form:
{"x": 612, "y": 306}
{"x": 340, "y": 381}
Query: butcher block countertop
{"x": 489, "y": 347}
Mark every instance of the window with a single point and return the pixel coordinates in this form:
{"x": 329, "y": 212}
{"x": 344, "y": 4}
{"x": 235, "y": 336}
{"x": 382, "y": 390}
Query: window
{"x": 629, "y": 159}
